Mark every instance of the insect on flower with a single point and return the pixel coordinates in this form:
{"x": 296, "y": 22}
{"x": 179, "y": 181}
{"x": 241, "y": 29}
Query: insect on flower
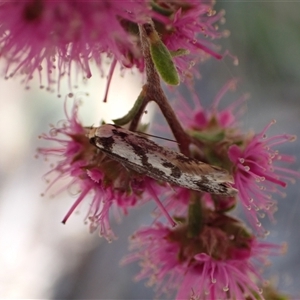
{"x": 146, "y": 157}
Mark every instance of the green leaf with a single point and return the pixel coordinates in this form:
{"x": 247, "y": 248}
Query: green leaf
{"x": 162, "y": 60}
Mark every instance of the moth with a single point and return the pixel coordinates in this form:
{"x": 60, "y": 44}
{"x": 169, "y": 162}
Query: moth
{"x": 144, "y": 156}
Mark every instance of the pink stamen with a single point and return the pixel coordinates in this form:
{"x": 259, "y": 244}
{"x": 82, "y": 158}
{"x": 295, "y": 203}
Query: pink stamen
{"x": 76, "y": 203}
{"x": 160, "y": 205}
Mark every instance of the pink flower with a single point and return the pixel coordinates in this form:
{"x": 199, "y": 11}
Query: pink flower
{"x": 53, "y": 38}
{"x": 110, "y": 185}
{"x": 54, "y": 35}
{"x": 257, "y": 173}
{"x": 189, "y": 27}
{"x": 213, "y": 265}
{"x": 252, "y": 159}
{"x": 201, "y": 119}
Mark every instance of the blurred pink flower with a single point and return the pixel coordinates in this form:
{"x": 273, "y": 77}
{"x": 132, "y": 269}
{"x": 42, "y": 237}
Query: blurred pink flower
{"x": 257, "y": 174}
{"x": 56, "y": 38}
{"x": 200, "y": 118}
{"x": 211, "y": 266}
{"x": 56, "y": 34}
{"x": 91, "y": 172}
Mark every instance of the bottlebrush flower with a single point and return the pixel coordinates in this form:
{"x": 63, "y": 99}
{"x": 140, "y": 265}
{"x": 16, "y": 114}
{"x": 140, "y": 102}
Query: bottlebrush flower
{"x": 212, "y": 118}
{"x": 252, "y": 159}
{"x": 213, "y": 130}
{"x": 56, "y": 37}
{"x": 257, "y": 174}
{"x": 223, "y": 262}
{"x": 111, "y": 186}
{"x": 188, "y": 25}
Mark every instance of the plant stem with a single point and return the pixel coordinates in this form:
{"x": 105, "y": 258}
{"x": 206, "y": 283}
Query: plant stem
{"x": 195, "y": 215}
{"x": 155, "y": 93}
{"x": 135, "y": 112}
{"x": 139, "y": 112}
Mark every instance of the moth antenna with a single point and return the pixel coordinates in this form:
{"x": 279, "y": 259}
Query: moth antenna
{"x": 158, "y": 137}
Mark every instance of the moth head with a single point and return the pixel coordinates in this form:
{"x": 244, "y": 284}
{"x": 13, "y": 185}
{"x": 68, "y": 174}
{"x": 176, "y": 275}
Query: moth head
{"x": 90, "y": 132}
{"x": 103, "y": 131}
